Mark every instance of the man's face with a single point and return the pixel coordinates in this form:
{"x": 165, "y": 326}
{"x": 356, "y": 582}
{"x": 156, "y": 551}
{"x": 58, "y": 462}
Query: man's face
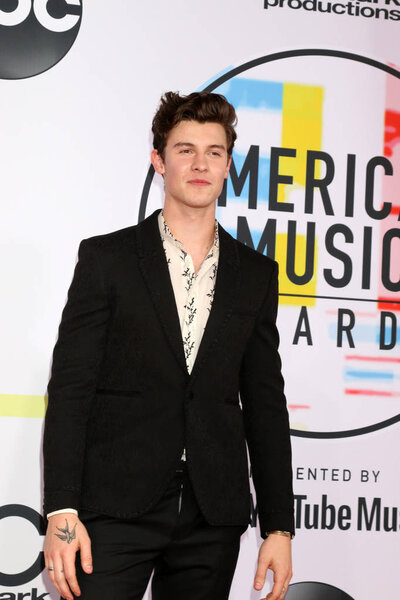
{"x": 195, "y": 163}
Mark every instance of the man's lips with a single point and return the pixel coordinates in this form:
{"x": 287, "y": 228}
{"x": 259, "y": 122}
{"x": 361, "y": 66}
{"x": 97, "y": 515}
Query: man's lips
{"x": 200, "y": 182}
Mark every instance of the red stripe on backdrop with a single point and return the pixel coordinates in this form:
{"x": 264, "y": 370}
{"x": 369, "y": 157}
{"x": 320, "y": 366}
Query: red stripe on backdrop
{"x": 352, "y": 392}
{"x": 373, "y": 358}
{"x": 387, "y": 305}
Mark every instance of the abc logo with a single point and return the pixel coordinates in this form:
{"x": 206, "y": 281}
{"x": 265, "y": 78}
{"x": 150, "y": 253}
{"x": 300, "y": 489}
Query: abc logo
{"x": 36, "y": 34}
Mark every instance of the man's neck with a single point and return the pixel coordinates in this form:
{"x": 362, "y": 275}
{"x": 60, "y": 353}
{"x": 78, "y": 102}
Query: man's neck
{"x": 194, "y": 227}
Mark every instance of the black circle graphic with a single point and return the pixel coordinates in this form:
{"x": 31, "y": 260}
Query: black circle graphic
{"x": 25, "y": 512}
{"x": 311, "y": 590}
{"x": 36, "y": 34}
{"x": 233, "y": 73}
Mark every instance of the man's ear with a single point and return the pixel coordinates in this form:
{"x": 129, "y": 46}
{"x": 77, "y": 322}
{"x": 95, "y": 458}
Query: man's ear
{"x": 228, "y": 166}
{"x": 157, "y": 162}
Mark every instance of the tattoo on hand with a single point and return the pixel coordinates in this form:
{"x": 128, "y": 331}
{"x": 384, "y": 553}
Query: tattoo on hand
{"x": 68, "y": 535}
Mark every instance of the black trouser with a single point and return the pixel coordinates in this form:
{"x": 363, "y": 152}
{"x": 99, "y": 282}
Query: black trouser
{"x": 192, "y": 560}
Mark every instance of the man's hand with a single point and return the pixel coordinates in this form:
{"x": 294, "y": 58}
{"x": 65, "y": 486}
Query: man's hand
{"x": 275, "y": 554}
{"x": 65, "y": 535}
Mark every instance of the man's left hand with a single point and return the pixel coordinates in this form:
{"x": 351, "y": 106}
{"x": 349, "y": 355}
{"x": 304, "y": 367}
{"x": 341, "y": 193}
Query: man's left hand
{"x": 275, "y": 554}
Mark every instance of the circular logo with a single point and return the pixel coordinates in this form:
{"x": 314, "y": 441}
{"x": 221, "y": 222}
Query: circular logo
{"x": 315, "y": 184}
{"x": 311, "y": 590}
{"x": 25, "y": 512}
{"x": 36, "y": 34}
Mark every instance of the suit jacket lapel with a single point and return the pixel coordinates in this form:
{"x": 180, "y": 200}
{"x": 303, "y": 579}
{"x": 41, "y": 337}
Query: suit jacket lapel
{"x": 226, "y": 287}
{"x": 155, "y": 272}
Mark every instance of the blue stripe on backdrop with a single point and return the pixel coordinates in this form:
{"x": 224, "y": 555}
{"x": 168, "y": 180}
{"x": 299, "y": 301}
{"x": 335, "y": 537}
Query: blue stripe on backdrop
{"x": 366, "y": 333}
{"x": 253, "y": 93}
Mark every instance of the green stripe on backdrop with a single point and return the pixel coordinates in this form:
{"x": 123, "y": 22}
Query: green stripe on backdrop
{"x": 19, "y": 405}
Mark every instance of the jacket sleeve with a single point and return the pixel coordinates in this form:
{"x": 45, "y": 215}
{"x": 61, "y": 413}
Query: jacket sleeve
{"x": 76, "y": 361}
{"x": 266, "y": 418}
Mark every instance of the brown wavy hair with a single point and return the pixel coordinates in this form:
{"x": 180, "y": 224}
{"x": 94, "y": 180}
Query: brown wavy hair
{"x": 203, "y": 107}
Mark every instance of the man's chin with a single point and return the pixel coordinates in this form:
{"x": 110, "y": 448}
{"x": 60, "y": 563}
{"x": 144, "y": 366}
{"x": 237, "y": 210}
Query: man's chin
{"x": 198, "y": 203}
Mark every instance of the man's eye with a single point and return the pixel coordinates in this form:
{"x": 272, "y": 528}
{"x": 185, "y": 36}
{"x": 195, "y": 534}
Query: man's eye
{"x": 214, "y": 153}
{"x": 185, "y": 151}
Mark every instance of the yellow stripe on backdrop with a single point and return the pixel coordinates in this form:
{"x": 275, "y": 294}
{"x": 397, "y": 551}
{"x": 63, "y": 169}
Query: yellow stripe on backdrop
{"x": 301, "y": 128}
{"x": 302, "y": 118}
{"x": 18, "y": 405}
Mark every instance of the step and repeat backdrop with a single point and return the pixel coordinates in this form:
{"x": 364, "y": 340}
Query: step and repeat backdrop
{"x": 314, "y": 183}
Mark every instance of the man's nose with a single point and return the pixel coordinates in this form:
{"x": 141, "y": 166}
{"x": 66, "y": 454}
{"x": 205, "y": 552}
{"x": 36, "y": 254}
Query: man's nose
{"x": 199, "y": 163}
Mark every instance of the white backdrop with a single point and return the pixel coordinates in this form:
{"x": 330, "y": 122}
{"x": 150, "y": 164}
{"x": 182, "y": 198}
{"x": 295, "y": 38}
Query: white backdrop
{"x": 74, "y": 155}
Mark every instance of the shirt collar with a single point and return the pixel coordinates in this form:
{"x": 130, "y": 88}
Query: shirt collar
{"x": 167, "y": 235}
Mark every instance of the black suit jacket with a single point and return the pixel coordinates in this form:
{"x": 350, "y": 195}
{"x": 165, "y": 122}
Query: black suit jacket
{"x": 122, "y": 406}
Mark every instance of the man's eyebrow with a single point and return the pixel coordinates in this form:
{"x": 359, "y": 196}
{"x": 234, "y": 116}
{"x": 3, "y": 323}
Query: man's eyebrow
{"x": 219, "y": 146}
{"x": 189, "y": 144}
{"x": 178, "y": 144}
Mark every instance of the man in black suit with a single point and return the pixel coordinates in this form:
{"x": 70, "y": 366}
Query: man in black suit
{"x": 167, "y": 324}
